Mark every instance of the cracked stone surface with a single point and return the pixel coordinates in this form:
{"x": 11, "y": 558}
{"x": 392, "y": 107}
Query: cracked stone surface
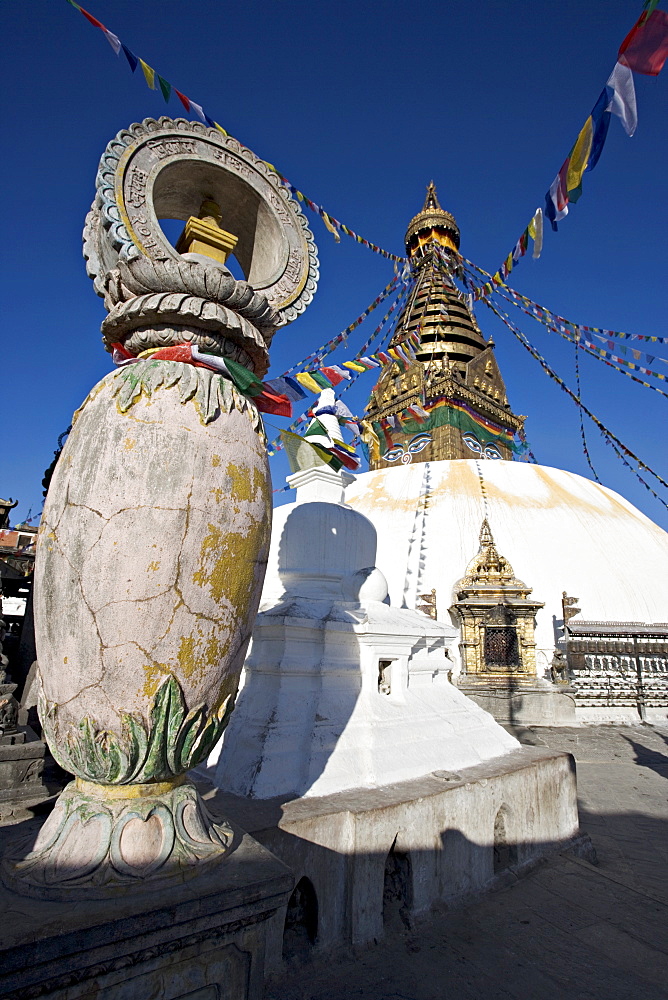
{"x": 151, "y": 556}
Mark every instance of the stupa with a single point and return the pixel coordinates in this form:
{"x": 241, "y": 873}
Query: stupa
{"x": 443, "y": 492}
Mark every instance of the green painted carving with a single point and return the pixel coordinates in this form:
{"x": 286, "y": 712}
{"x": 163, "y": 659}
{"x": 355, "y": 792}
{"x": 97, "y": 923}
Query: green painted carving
{"x": 174, "y": 741}
{"x": 212, "y": 394}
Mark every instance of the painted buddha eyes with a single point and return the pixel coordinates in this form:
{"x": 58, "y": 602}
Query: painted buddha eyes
{"x": 419, "y": 442}
{"x": 484, "y": 451}
{"x": 404, "y": 453}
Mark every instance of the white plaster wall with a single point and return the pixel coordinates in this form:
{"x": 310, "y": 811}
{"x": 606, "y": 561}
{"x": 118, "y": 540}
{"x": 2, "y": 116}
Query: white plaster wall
{"x": 559, "y": 531}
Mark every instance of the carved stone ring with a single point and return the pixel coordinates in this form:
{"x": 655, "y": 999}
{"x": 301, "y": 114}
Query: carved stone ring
{"x": 162, "y": 170}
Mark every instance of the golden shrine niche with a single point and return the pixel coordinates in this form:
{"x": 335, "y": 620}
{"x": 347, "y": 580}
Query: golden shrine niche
{"x": 496, "y": 617}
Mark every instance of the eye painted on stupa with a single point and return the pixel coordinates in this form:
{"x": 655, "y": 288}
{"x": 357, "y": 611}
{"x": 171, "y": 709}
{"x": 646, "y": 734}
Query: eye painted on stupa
{"x": 405, "y": 452}
{"x": 419, "y": 442}
{"x": 491, "y": 451}
{"x": 472, "y": 443}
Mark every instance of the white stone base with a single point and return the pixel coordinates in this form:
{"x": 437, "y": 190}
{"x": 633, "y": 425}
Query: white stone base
{"x": 444, "y": 823}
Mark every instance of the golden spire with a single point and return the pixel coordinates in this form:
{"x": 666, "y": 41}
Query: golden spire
{"x": 432, "y": 224}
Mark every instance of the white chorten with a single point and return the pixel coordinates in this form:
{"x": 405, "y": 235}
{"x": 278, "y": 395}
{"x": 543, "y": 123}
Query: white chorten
{"x": 342, "y": 689}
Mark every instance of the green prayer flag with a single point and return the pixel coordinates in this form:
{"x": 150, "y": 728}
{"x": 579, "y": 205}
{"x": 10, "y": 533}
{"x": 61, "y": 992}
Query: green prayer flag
{"x": 320, "y": 380}
{"x": 245, "y": 381}
{"x": 165, "y": 87}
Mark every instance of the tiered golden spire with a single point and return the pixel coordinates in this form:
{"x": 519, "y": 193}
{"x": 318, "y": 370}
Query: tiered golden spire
{"x": 454, "y": 362}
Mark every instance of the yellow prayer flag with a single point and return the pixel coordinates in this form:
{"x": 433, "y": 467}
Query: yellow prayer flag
{"x": 580, "y": 156}
{"x": 328, "y": 225}
{"x": 149, "y": 74}
{"x": 356, "y": 367}
{"x": 220, "y": 128}
{"x": 309, "y": 383}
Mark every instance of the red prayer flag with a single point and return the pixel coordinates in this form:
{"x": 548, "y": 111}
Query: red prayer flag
{"x": 183, "y": 99}
{"x": 333, "y": 376}
{"x": 271, "y": 402}
{"x": 645, "y": 48}
{"x": 93, "y": 20}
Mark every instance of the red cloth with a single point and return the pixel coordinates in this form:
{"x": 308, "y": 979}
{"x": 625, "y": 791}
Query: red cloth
{"x": 333, "y": 376}
{"x": 645, "y": 48}
{"x": 180, "y": 352}
{"x": 271, "y": 402}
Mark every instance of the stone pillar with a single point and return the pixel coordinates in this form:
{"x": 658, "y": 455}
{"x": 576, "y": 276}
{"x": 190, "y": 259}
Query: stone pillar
{"x": 154, "y": 537}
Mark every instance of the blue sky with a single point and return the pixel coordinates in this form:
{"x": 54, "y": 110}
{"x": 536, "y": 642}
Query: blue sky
{"x": 360, "y": 105}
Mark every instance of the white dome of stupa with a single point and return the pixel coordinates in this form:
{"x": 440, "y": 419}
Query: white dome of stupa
{"x": 559, "y": 531}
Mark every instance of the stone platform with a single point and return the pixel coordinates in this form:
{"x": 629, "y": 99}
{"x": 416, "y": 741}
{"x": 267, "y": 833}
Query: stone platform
{"x": 203, "y": 939}
{"x": 440, "y": 838}
{"x": 530, "y": 701}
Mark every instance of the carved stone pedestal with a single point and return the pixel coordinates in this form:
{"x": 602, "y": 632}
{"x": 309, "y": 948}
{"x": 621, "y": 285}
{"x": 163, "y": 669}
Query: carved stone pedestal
{"x": 203, "y": 939}
{"x": 21, "y": 767}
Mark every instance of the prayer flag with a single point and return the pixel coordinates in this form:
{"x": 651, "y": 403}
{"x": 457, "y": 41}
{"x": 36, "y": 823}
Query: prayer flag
{"x": 536, "y": 232}
{"x": 600, "y": 117}
{"x": 351, "y": 461}
{"x": 371, "y": 439}
{"x": 321, "y": 380}
{"x": 369, "y": 362}
{"x": 149, "y": 74}
{"x": 269, "y": 402}
{"x": 578, "y": 160}
{"x": 199, "y": 111}
{"x": 305, "y": 379}
{"x": 645, "y": 48}
{"x": 343, "y": 413}
{"x": 183, "y": 99}
{"x": 328, "y": 225}
{"x": 355, "y": 365}
{"x": 113, "y": 40}
{"x": 165, "y": 87}
{"x": 286, "y": 387}
{"x": 332, "y": 375}
{"x": 556, "y": 199}
{"x": 385, "y": 428}
{"x": 245, "y": 381}
{"x": 210, "y": 122}
{"x": 341, "y": 371}
{"x": 89, "y": 17}
{"x": 417, "y": 412}
{"x": 131, "y": 57}
{"x": 622, "y": 97}
{"x": 384, "y": 358}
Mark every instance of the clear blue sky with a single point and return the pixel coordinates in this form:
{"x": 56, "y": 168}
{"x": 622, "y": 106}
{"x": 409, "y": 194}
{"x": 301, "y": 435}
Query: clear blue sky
{"x": 361, "y": 105}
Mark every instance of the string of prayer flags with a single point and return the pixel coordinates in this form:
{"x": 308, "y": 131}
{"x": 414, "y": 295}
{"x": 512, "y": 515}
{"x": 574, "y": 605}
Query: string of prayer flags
{"x": 607, "y": 434}
{"x": 332, "y": 344}
{"x": 608, "y": 357}
{"x": 645, "y": 48}
{"x": 277, "y": 444}
{"x": 113, "y": 39}
{"x": 332, "y": 225}
{"x": 541, "y": 311}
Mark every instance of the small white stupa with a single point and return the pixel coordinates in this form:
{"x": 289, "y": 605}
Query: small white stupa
{"x": 342, "y": 689}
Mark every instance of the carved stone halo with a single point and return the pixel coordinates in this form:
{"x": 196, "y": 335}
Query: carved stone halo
{"x": 163, "y": 169}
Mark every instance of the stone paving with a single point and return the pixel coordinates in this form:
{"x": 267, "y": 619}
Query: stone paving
{"x": 568, "y": 929}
